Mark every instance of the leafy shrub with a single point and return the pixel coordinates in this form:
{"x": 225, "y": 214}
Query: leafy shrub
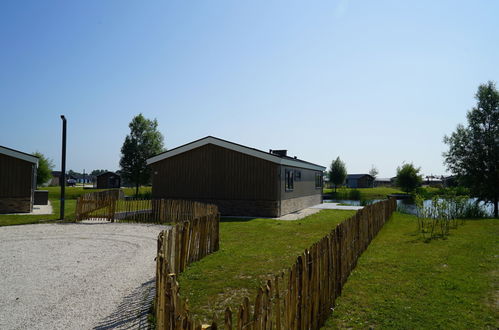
{"x": 341, "y": 193}
{"x": 354, "y": 194}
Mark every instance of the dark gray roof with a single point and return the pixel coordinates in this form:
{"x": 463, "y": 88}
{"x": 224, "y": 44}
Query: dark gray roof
{"x": 108, "y": 172}
{"x": 18, "y": 154}
{"x": 358, "y": 176}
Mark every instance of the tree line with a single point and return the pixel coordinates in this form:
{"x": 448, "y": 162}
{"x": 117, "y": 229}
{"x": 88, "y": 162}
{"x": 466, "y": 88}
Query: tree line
{"x": 473, "y": 154}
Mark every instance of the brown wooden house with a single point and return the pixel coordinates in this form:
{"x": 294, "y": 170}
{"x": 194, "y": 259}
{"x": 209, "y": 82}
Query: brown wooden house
{"x": 240, "y": 180}
{"x": 17, "y": 180}
{"x": 108, "y": 180}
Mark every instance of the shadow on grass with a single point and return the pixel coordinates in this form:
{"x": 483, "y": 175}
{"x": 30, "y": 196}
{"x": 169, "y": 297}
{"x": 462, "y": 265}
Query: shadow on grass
{"x": 132, "y": 312}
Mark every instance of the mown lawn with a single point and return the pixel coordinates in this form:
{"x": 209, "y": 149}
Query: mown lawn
{"x": 71, "y": 194}
{"x": 251, "y": 251}
{"x": 366, "y": 193}
{"x": 19, "y": 219}
{"x": 75, "y": 192}
{"x": 401, "y": 282}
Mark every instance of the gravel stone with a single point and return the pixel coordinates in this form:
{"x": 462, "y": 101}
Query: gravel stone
{"x": 77, "y": 276}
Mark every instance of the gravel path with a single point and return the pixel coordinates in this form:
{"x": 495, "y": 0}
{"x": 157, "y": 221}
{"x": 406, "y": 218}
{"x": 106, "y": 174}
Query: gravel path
{"x": 76, "y": 276}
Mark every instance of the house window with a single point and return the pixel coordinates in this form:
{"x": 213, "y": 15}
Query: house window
{"x": 318, "y": 180}
{"x": 289, "y": 177}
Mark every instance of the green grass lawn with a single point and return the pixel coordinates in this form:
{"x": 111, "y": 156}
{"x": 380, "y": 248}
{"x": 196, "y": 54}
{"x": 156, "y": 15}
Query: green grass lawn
{"x": 402, "y": 282}
{"x": 367, "y": 193}
{"x": 18, "y": 219}
{"x": 251, "y": 251}
{"x": 54, "y": 196}
{"x": 75, "y": 192}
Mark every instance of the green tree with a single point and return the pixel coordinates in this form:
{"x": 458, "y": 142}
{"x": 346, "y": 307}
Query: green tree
{"x": 373, "y": 171}
{"x": 98, "y": 172}
{"x": 408, "y": 177}
{"x": 338, "y": 173}
{"x": 473, "y": 153}
{"x": 143, "y": 142}
{"x": 44, "y": 169}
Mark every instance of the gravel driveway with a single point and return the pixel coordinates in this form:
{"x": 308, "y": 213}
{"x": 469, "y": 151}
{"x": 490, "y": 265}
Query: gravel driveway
{"x": 77, "y": 276}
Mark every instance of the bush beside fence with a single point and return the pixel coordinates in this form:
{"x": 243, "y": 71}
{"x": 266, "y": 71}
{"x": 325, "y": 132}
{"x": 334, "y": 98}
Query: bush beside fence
{"x": 301, "y": 298}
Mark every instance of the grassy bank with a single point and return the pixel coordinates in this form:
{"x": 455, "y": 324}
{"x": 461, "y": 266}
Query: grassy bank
{"x": 365, "y": 193}
{"x": 402, "y": 282}
{"x": 251, "y": 251}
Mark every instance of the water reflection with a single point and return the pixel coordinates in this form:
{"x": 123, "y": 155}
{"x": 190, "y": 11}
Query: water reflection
{"x": 407, "y": 205}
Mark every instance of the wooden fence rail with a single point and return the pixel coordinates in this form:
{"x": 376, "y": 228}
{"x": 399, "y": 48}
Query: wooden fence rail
{"x": 99, "y": 204}
{"x": 109, "y": 205}
{"x": 301, "y": 298}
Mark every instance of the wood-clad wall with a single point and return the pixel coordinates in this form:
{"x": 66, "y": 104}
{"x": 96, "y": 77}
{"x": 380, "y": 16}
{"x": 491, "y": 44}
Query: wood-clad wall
{"x": 16, "y": 177}
{"x": 214, "y": 173}
{"x": 104, "y": 181}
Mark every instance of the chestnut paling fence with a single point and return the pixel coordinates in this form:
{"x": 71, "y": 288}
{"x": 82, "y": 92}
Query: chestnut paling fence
{"x": 178, "y": 246}
{"x": 110, "y": 205}
{"x": 300, "y": 298}
{"x": 99, "y": 204}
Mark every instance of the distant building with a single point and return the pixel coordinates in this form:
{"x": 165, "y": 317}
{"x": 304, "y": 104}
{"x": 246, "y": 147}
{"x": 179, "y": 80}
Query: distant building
{"x": 240, "y": 180}
{"x": 383, "y": 182}
{"x": 56, "y": 176}
{"x": 108, "y": 180}
{"x": 17, "y": 180}
{"x": 359, "y": 181}
{"x": 432, "y": 180}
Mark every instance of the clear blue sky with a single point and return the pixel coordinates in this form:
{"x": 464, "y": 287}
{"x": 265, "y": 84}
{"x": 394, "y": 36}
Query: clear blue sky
{"x": 374, "y": 82}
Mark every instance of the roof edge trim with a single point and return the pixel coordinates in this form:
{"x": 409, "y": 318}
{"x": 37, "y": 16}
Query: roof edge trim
{"x": 19, "y": 155}
{"x": 235, "y": 147}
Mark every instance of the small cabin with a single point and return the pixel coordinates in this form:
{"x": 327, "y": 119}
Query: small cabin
{"x": 240, "y": 180}
{"x": 17, "y": 181}
{"x": 108, "y": 180}
{"x": 359, "y": 181}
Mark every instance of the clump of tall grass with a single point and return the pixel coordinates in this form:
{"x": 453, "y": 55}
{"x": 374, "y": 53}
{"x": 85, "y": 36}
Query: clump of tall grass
{"x": 354, "y": 194}
{"x": 441, "y": 214}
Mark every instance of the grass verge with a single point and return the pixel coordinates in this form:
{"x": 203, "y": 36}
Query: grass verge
{"x": 19, "y": 219}
{"x": 54, "y": 196}
{"x": 251, "y": 251}
{"x": 365, "y": 193}
{"x": 402, "y": 282}
{"x": 75, "y": 192}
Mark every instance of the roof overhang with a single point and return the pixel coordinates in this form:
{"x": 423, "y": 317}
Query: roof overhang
{"x": 235, "y": 147}
{"x": 19, "y": 155}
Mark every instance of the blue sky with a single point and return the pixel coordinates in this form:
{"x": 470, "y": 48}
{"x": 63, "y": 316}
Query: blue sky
{"x": 374, "y": 82}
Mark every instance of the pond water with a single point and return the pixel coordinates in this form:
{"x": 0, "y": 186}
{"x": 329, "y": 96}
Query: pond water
{"x": 406, "y": 205}
{"x": 352, "y": 202}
